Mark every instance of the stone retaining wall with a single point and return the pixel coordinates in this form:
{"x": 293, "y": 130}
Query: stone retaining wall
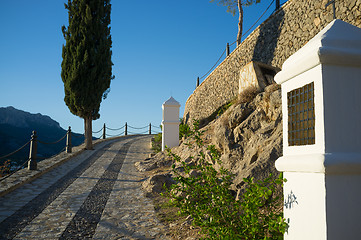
{"x": 276, "y": 39}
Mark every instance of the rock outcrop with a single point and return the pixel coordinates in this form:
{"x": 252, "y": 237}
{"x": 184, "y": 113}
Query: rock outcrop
{"x": 248, "y": 135}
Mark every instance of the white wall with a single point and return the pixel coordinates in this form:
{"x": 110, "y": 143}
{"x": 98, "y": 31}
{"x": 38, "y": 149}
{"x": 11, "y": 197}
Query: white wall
{"x": 304, "y": 198}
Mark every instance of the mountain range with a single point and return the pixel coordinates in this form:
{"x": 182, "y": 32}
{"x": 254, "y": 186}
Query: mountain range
{"x": 16, "y": 127}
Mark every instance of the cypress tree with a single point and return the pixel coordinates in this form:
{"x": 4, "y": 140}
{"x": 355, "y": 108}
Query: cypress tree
{"x": 87, "y": 65}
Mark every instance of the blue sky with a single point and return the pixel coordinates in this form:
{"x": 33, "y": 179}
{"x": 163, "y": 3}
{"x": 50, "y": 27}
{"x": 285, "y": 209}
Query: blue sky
{"x": 159, "y": 49}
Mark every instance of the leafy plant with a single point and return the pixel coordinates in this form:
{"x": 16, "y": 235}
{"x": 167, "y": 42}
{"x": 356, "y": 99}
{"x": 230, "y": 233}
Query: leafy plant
{"x": 217, "y": 113}
{"x": 204, "y": 193}
{"x": 157, "y": 143}
{"x": 224, "y": 108}
{"x": 184, "y": 129}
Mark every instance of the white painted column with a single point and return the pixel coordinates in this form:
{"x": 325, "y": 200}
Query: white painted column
{"x": 321, "y": 105}
{"x": 170, "y": 123}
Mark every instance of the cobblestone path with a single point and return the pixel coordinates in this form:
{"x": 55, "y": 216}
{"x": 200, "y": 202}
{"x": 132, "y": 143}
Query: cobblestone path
{"x": 95, "y": 195}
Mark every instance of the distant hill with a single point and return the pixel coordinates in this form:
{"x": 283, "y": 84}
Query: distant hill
{"x": 16, "y": 127}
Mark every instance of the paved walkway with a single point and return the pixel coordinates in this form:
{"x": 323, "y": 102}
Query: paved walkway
{"x": 95, "y": 195}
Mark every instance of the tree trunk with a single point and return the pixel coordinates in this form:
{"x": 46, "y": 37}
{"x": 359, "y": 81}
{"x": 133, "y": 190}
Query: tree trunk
{"x": 88, "y": 133}
{"x": 240, "y": 22}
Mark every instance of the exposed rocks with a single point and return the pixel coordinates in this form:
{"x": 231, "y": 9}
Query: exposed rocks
{"x": 251, "y": 143}
{"x": 158, "y": 160}
{"x": 248, "y": 136}
{"x": 156, "y": 183}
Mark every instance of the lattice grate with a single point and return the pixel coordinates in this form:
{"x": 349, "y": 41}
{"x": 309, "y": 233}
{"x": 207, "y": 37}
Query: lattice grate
{"x": 301, "y": 116}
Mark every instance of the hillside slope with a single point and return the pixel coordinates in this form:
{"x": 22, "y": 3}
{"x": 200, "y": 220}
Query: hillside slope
{"x": 248, "y": 135}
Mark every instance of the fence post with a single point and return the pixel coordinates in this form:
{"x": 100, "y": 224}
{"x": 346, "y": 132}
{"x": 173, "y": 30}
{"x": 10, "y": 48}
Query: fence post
{"x": 150, "y": 128}
{"x": 68, "y": 141}
{"x": 198, "y": 82}
{"x": 227, "y": 49}
{"x": 278, "y": 5}
{"x": 104, "y": 131}
{"x": 32, "y": 165}
{"x": 126, "y": 129}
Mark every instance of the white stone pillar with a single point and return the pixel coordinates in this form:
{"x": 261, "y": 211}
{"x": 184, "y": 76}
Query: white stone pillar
{"x": 170, "y": 123}
{"x": 321, "y": 105}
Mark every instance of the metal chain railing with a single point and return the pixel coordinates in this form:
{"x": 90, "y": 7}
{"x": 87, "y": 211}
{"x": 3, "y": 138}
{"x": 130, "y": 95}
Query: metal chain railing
{"x": 79, "y": 136}
{"x": 115, "y": 135}
{"x": 42, "y": 158}
{"x": 51, "y": 143}
{"x": 32, "y": 153}
{"x": 32, "y": 160}
{"x": 138, "y": 133}
{"x": 14, "y": 171}
{"x": 249, "y": 29}
{"x": 10, "y": 154}
{"x": 228, "y": 45}
{"x": 99, "y": 130}
{"x": 125, "y": 131}
{"x": 138, "y": 127}
{"x": 157, "y": 131}
{"x": 115, "y": 129}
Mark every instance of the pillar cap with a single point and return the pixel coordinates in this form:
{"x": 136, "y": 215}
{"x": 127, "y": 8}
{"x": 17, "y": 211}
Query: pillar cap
{"x": 339, "y": 43}
{"x": 171, "y": 102}
{"x": 328, "y": 163}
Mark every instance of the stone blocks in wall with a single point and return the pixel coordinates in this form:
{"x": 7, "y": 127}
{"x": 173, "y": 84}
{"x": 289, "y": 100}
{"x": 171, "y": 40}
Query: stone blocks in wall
{"x": 276, "y": 39}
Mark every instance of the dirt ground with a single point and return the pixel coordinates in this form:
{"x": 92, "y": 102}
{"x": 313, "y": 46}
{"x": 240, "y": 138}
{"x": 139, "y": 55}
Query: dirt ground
{"x": 180, "y": 227}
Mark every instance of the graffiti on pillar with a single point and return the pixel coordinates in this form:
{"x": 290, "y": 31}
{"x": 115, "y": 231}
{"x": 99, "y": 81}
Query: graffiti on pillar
{"x": 291, "y": 200}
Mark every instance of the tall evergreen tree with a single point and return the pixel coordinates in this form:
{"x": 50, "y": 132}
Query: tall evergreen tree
{"x": 87, "y": 65}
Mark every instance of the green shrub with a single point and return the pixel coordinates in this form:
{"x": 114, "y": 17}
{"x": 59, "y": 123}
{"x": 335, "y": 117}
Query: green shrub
{"x": 184, "y": 129}
{"x": 157, "y": 143}
{"x": 224, "y": 108}
{"x": 217, "y": 113}
{"x": 204, "y": 193}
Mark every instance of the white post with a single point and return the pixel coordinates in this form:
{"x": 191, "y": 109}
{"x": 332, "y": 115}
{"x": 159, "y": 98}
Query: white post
{"x": 170, "y": 123}
{"x": 321, "y": 105}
